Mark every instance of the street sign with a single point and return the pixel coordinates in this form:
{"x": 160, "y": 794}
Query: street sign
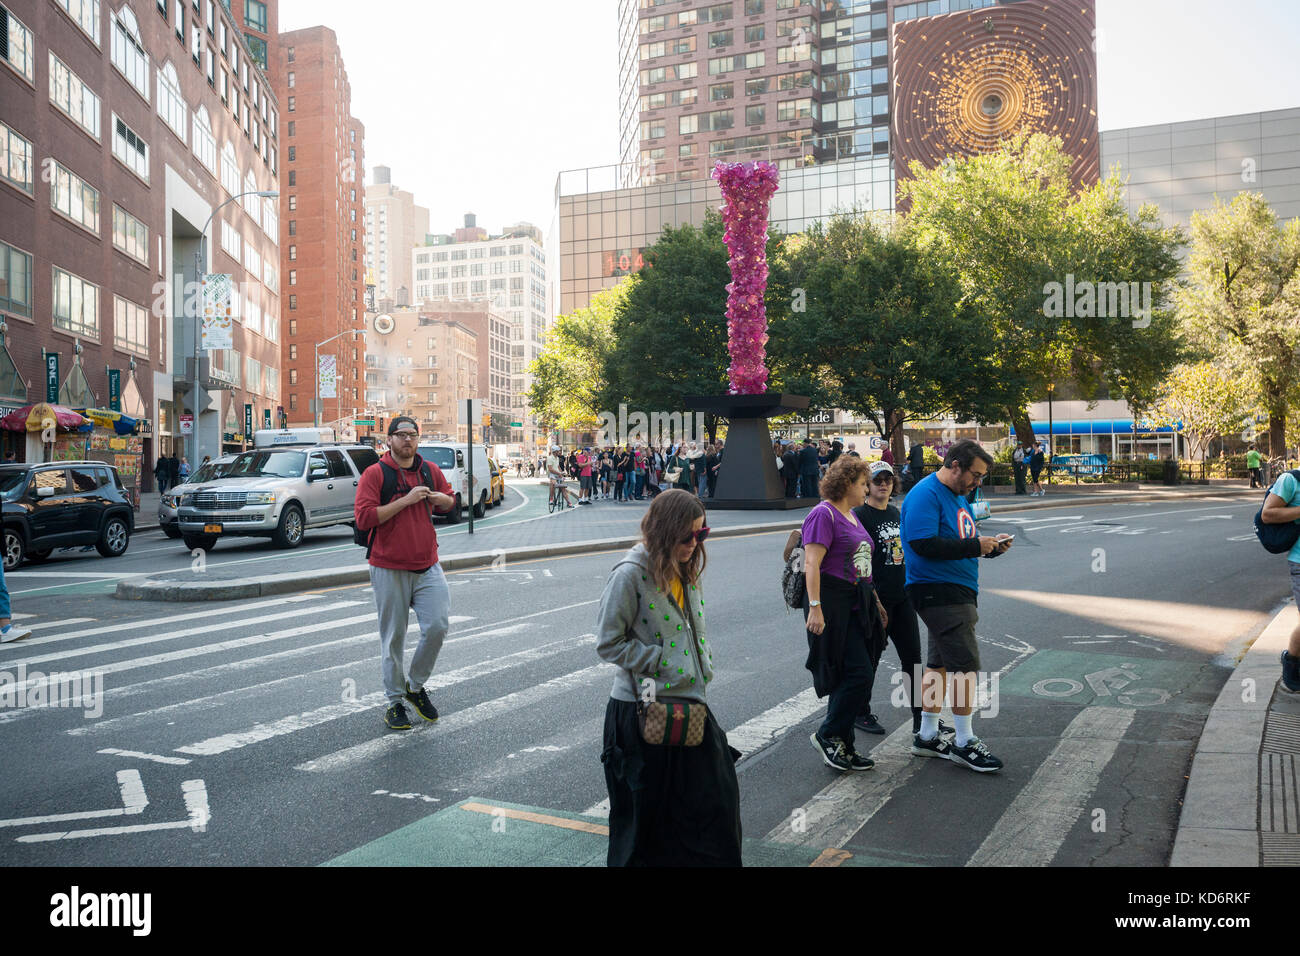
{"x": 469, "y": 411}
{"x": 516, "y": 424}
{"x": 363, "y": 421}
{"x": 187, "y": 424}
{"x": 115, "y": 389}
{"x": 248, "y": 419}
{"x": 266, "y": 418}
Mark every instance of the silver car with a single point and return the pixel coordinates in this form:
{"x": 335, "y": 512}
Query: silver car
{"x": 167, "y": 518}
{"x": 275, "y": 493}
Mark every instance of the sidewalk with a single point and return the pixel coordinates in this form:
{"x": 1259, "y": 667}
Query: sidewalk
{"x": 1240, "y": 807}
{"x": 602, "y": 526}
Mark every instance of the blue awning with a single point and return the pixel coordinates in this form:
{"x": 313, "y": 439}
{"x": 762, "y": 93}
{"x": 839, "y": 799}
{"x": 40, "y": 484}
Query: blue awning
{"x": 1101, "y": 426}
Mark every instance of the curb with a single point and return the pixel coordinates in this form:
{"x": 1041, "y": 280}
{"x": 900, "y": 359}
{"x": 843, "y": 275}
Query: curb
{"x": 182, "y": 590}
{"x": 1219, "y": 824}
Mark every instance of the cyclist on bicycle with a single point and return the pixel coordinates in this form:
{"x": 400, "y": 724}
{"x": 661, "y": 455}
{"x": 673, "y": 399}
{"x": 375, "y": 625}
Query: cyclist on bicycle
{"x": 556, "y": 476}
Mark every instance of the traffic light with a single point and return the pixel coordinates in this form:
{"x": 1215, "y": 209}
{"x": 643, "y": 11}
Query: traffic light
{"x": 379, "y": 426}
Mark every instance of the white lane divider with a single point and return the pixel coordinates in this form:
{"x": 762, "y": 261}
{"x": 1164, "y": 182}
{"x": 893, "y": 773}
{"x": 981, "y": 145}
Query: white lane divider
{"x": 258, "y": 733}
{"x": 133, "y": 801}
{"x": 137, "y": 755}
{"x": 194, "y": 793}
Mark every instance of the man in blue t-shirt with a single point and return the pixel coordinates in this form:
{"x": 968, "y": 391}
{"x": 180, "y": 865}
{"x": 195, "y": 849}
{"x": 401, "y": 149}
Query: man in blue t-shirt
{"x": 1283, "y": 505}
{"x": 940, "y": 546}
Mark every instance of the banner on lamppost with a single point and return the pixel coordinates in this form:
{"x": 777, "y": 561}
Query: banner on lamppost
{"x": 115, "y": 389}
{"x": 248, "y": 419}
{"x": 266, "y": 418}
{"x": 52, "y": 377}
{"x": 218, "y": 319}
{"x": 328, "y": 375}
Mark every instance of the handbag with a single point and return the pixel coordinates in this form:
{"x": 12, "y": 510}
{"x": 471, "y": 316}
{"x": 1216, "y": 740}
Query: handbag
{"x": 672, "y": 474}
{"x": 1277, "y": 538}
{"x": 672, "y": 721}
{"x": 793, "y": 583}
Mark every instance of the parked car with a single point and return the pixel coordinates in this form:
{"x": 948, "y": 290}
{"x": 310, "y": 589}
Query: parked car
{"x": 63, "y": 504}
{"x": 498, "y": 484}
{"x": 167, "y": 518}
{"x": 450, "y": 458}
{"x": 277, "y": 493}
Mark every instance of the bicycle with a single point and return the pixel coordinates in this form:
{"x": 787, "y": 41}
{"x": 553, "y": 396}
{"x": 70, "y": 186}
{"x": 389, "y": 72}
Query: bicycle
{"x": 559, "y": 498}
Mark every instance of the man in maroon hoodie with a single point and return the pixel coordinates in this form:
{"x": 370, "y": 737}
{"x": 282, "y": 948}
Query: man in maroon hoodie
{"x": 404, "y": 566}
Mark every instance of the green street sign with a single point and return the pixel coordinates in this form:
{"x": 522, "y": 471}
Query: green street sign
{"x": 516, "y": 424}
{"x": 363, "y": 421}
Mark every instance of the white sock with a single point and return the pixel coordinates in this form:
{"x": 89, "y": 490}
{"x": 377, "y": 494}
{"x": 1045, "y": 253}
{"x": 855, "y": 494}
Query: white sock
{"x": 929, "y": 726}
{"x": 962, "y": 725}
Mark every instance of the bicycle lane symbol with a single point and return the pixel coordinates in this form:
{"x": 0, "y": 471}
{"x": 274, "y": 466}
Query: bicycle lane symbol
{"x": 1112, "y": 681}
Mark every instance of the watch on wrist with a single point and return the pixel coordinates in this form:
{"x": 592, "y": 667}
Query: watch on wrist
{"x": 814, "y": 603}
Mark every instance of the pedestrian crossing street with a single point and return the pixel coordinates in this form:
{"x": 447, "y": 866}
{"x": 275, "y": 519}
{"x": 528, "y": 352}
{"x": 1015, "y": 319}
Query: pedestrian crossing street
{"x": 288, "y": 688}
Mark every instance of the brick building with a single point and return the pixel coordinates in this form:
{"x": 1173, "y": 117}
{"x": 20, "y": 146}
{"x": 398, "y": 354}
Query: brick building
{"x": 323, "y": 241}
{"x": 124, "y": 126}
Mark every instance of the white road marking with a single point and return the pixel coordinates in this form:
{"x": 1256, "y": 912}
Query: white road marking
{"x": 196, "y": 803}
{"x": 841, "y": 809}
{"x": 1035, "y": 826}
{"x": 460, "y": 720}
{"x": 599, "y": 810}
{"x": 47, "y": 625}
{"x": 773, "y": 723}
{"x": 166, "y": 636}
{"x": 1210, "y": 518}
{"x": 406, "y": 796}
{"x": 136, "y": 755}
{"x": 172, "y": 619}
{"x": 258, "y": 733}
{"x": 33, "y": 573}
{"x": 133, "y": 801}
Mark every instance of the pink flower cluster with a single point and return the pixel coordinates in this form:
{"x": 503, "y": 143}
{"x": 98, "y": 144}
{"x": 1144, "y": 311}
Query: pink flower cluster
{"x": 747, "y": 189}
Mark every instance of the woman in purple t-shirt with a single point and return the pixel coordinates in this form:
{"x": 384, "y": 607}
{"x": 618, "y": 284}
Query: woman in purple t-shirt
{"x": 842, "y": 612}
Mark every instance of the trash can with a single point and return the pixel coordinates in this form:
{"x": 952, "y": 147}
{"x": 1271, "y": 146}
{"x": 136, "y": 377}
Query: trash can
{"x": 1172, "y": 472}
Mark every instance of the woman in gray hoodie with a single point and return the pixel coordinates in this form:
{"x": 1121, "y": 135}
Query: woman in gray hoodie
{"x": 668, "y": 805}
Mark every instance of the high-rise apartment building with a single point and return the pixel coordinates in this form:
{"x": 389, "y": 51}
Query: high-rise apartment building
{"x": 510, "y": 272}
{"x": 394, "y": 226}
{"x": 792, "y": 81}
{"x": 260, "y": 22}
{"x": 321, "y": 206}
{"x": 127, "y": 132}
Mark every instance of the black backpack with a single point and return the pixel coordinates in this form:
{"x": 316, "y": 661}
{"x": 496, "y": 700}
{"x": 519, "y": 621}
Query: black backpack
{"x": 1277, "y": 538}
{"x": 387, "y": 491}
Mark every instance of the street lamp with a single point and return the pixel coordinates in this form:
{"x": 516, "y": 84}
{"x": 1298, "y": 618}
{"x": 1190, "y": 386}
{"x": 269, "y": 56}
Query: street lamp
{"x": 316, "y": 406}
{"x": 200, "y": 258}
{"x": 1051, "y": 444}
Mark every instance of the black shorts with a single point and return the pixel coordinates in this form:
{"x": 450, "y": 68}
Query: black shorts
{"x": 951, "y": 644}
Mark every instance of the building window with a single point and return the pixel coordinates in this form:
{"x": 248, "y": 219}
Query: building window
{"x": 17, "y": 45}
{"x": 76, "y": 304}
{"x": 291, "y": 79}
{"x": 755, "y": 87}
{"x": 130, "y": 235}
{"x": 754, "y": 115}
{"x": 293, "y": 376}
{"x": 292, "y": 103}
{"x": 293, "y": 277}
{"x": 293, "y": 153}
{"x": 257, "y": 49}
{"x": 754, "y": 34}
{"x": 171, "y": 104}
{"x": 293, "y": 253}
{"x": 127, "y": 52}
{"x": 293, "y": 305}
{"x": 720, "y": 38}
{"x": 292, "y": 127}
{"x": 255, "y": 15}
{"x": 204, "y": 144}
{"x": 793, "y": 109}
{"x": 73, "y": 197}
{"x": 73, "y": 97}
{"x": 130, "y": 326}
{"x": 721, "y": 91}
{"x": 293, "y": 401}
{"x": 15, "y": 281}
{"x": 291, "y": 54}
{"x": 16, "y": 160}
{"x": 231, "y": 241}
{"x": 85, "y": 14}
{"x": 293, "y": 353}
{"x": 293, "y": 326}
{"x": 293, "y": 203}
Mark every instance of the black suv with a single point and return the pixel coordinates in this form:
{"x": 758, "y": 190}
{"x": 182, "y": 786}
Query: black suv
{"x": 61, "y": 504}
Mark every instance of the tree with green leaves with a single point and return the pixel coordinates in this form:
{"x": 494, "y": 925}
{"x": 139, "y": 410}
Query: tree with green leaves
{"x": 1208, "y": 400}
{"x": 1014, "y": 234}
{"x": 881, "y": 331}
{"x": 1242, "y": 303}
{"x": 569, "y": 375}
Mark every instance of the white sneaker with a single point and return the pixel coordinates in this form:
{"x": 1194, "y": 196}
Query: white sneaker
{"x": 12, "y": 632}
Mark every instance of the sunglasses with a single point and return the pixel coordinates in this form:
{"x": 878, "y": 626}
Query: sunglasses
{"x": 883, "y": 480}
{"x": 696, "y": 536}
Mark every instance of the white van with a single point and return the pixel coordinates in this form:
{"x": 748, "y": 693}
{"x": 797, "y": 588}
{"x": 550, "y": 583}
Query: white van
{"x": 450, "y": 458}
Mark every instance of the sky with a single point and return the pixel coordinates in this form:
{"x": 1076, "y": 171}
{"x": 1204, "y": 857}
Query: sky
{"x": 477, "y": 108}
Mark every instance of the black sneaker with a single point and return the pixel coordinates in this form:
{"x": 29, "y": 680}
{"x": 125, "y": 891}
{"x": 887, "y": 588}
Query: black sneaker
{"x": 396, "y": 718}
{"x": 420, "y": 700}
{"x": 868, "y": 725}
{"x": 975, "y": 756}
{"x": 944, "y": 730}
{"x": 834, "y": 751}
{"x": 1290, "y": 674}
{"x": 936, "y": 746}
{"x": 858, "y": 762}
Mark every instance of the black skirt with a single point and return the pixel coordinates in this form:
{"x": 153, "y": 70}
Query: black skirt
{"x": 669, "y": 806}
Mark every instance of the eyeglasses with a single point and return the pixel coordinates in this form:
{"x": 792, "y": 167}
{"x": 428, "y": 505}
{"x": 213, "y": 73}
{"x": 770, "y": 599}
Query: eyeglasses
{"x": 696, "y": 536}
{"x": 978, "y": 475}
{"x": 405, "y": 436}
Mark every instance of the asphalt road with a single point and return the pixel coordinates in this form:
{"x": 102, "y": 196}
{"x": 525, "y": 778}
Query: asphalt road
{"x": 251, "y": 733}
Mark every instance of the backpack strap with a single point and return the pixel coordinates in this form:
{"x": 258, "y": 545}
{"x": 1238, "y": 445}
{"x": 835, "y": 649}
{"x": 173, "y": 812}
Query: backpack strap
{"x": 387, "y": 491}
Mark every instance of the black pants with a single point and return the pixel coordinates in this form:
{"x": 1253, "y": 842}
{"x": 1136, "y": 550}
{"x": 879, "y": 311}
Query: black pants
{"x": 846, "y": 701}
{"x": 669, "y": 806}
{"x": 905, "y": 633}
{"x": 1019, "y": 469}
{"x": 1254, "y": 478}
{"x": 808, "y": 484}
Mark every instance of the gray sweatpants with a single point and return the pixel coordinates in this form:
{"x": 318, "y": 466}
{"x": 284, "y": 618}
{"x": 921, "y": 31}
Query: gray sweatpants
{"x": 396, "y": 592}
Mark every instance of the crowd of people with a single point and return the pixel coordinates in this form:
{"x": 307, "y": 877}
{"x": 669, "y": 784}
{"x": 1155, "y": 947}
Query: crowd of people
{"x": 633, "y": 472}
{"x": 170, "y": 471}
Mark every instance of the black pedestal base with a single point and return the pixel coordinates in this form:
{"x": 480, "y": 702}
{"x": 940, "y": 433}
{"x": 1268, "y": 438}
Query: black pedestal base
{"x": 749, "y": 478}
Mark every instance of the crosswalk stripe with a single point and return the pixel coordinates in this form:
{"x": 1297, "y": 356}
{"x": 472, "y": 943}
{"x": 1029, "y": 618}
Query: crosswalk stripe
{"x": 460, "y": 720}
{"x": 291, "y": 724}
{"x": 169, "y": 636}
{"x": 158, "y": 621}
{"x": 758, "y": 732}
{"x": 231, "y": 645}
{"x": 49, "y": 625}
{"x": 1034, "y": 827}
